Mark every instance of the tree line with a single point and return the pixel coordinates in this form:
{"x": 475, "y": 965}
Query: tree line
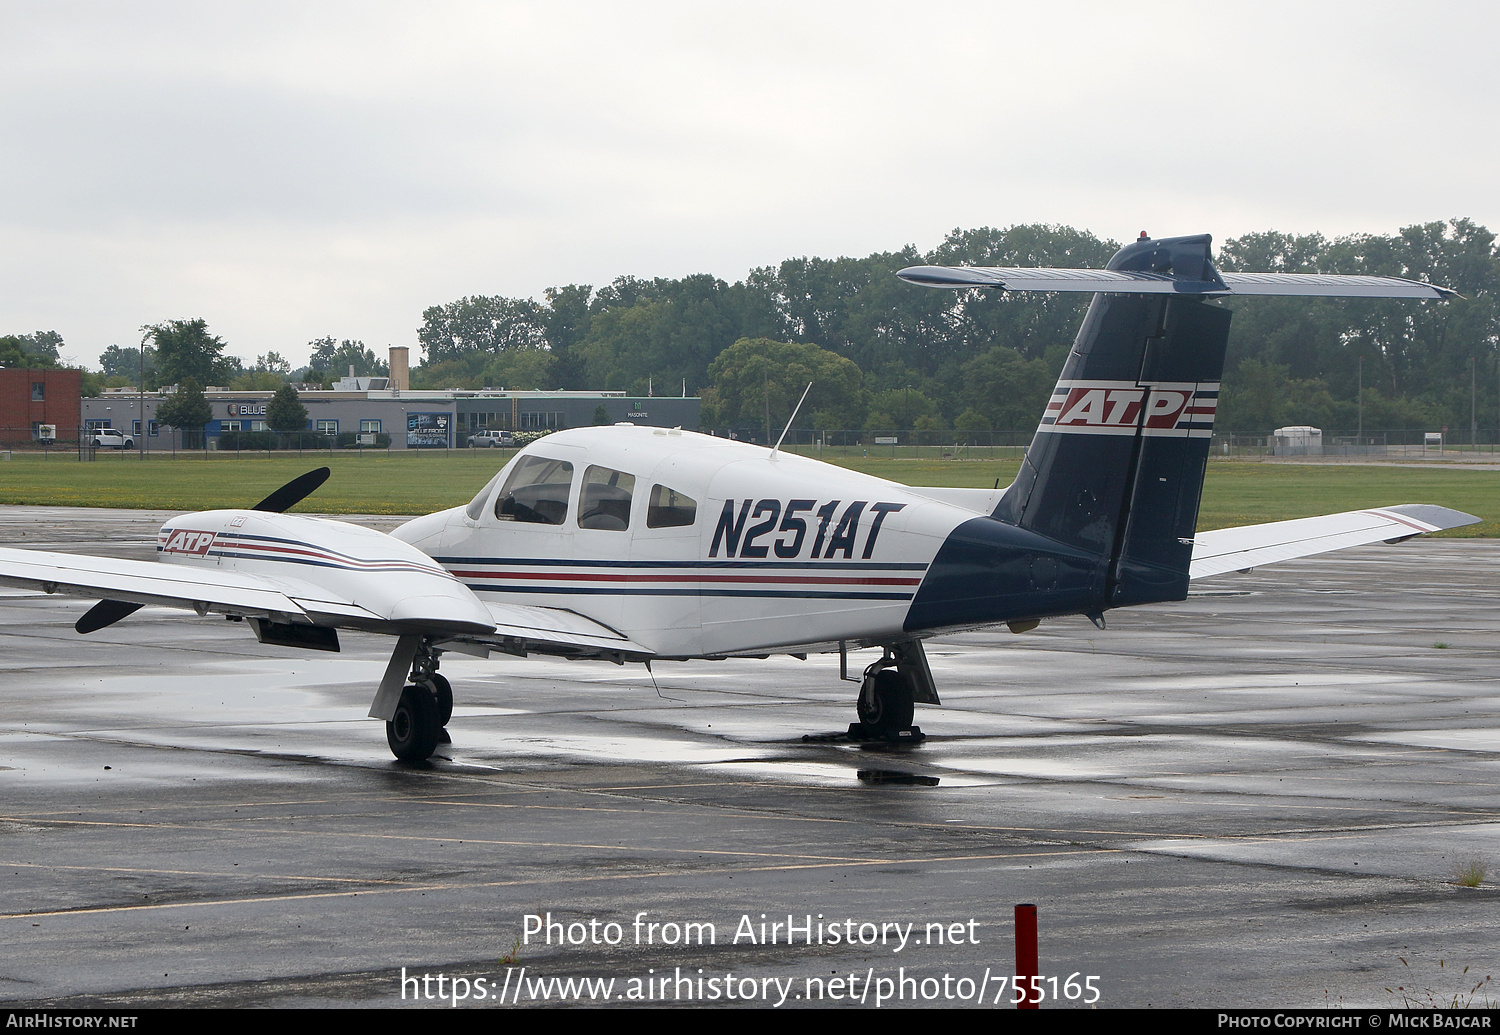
{"x": 883, "y": 354}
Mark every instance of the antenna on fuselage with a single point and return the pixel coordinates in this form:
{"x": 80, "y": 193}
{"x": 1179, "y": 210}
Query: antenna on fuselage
{"x": 793, "y": 417}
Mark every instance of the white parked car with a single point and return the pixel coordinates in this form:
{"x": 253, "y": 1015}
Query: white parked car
{"x": 109, "y": 438}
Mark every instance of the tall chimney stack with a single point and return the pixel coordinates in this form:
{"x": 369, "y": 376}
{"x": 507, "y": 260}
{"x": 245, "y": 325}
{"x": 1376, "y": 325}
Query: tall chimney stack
{"x": 400, "y": 371}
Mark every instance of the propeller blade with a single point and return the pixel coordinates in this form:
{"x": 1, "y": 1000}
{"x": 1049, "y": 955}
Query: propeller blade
{"x": 293, "y": 492}
{"x": 105, "y": 612}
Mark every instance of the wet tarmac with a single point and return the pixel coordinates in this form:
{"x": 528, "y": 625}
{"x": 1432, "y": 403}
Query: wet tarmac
{"x": 1267, "y": 795}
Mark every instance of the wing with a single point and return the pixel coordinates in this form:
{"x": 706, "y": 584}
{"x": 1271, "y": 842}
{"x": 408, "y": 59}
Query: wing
{"x": 169, "y": 585}
{"x": 1250, "y": 546}
{"x": 513, "y": 628}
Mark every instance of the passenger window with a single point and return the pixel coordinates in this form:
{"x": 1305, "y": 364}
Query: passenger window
{"x": 670, "y": 509}
{"x": 605, "y": 502}
{"x": 536, "y": 492}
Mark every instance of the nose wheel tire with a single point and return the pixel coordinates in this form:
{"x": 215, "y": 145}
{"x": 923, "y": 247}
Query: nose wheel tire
{"x": 413, "y": 731}
{"x": 891, "y": 705}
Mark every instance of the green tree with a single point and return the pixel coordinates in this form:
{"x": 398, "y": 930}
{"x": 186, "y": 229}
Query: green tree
{"x": 601, "y": 415}
{"x": 120, "y": 362}
{"x": 285, "y": 413}
{"x": 39, "y": 349}
{"x": 274, "y": 363}
{"x": 1008, "y": 389}
{"x": 972, "y": 426}
{"x": 186, "y": 409}
{"x": 338, "y": 356}
{"x": 258, "y": 380}
{"x": 756, "y": 374}
{"x": 481, "y": 324}
{"x": 184, "y": 349}
{"x": 898, "y": 408}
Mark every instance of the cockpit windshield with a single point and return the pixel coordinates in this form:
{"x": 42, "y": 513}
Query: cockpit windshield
{"x": 536, "y": 491}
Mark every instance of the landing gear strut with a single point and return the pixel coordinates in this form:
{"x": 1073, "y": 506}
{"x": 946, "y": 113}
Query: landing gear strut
{"x": 888, "y": 694}
{"x": 415, "y": 725}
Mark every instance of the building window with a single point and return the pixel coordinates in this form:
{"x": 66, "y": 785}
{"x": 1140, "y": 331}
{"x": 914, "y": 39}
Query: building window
{"x": 369, "y": 427}
{"x": 154, "y": 427}
{"x": 95, "y": 423}
{"x": 255, "y": 425}
{"x": 541, "y": 421}
{"x": 229, "y": 425}
{"x": 494, "y": 421}
{"x": 328, "y": 427}
{"x": 38, "y": 391}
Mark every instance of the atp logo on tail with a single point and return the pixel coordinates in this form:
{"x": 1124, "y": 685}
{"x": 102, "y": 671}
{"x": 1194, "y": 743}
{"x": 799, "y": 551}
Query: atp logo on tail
{"x": 1176, "y": 410}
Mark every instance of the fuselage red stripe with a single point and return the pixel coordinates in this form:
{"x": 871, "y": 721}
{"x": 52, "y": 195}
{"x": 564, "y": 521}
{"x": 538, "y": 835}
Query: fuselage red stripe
{"x": 821, "y": 580}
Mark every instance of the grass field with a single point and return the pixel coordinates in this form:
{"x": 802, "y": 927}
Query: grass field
{"x": 1236, "y": 493}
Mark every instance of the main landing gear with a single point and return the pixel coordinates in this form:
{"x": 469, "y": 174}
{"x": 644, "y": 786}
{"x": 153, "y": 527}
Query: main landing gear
{"x": 421, "y": 716}
{"x": 888, "y": 694}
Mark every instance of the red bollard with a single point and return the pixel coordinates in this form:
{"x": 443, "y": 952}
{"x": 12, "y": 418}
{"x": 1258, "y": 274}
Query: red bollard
{"x": 1026, "y": 957}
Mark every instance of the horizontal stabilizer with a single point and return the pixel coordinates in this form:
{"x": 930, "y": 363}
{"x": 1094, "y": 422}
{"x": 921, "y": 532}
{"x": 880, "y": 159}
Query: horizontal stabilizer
{"x": 1250, "y": 546}
{"x": 1138, "y": 282}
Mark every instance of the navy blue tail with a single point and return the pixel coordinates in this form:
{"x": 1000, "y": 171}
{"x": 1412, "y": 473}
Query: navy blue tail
{"x": 1106, "y": 502}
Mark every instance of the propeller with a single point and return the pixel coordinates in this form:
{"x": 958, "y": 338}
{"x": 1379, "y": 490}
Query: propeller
{"x": 108, "y": 612}
{"x": 293, "y": 492}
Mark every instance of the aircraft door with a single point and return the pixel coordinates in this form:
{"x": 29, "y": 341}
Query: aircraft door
{"x": 606, "y": 500}
{"x": 664, "y": 559}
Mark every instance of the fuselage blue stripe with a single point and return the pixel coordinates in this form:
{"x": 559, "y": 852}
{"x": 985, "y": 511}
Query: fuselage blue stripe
{"x": 689, "y": 591}
{"x": 522, "y": 562}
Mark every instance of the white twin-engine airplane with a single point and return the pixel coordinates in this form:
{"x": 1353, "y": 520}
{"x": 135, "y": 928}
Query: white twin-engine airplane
{"x": 643, "y": 544}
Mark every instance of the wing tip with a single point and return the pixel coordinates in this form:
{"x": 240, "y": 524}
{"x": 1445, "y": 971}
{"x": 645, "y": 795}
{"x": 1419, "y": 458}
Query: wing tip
{"x": 1441, "y": 518}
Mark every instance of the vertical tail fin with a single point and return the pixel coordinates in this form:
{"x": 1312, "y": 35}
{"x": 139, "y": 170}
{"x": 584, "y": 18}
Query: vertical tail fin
{"x": 1103, "y": 511}
{"x": 1116, "y": 467}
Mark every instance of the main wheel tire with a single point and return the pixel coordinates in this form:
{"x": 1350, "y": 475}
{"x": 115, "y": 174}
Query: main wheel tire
{"x": 892, "y": 707}
{"x": 412, "y": 732}
{"x": 442, "y": 694}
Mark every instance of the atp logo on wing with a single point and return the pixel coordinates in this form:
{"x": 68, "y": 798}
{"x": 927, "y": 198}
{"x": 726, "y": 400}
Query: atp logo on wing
{"x": 1115, "y": 408}
{"x": 188, "y": 542}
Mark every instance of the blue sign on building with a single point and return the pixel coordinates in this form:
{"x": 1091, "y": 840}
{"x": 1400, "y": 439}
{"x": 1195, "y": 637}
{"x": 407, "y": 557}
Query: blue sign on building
{"x": 427, "y": 430}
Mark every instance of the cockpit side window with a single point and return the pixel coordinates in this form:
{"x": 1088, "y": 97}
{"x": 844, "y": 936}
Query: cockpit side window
{"x": 536, "y": 492}
{"x": 605, "y": 500}
{"x": 669, "y": 508}
{"x": 476, "y": 505}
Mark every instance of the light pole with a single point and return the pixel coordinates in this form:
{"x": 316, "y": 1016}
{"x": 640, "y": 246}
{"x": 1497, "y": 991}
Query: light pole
{"x": 140, "y": 437}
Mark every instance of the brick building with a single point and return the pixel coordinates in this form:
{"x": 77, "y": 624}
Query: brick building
{"x": 31, "y": 398}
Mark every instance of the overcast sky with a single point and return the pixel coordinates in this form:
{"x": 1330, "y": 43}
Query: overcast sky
{"x": 288, "y": 171}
